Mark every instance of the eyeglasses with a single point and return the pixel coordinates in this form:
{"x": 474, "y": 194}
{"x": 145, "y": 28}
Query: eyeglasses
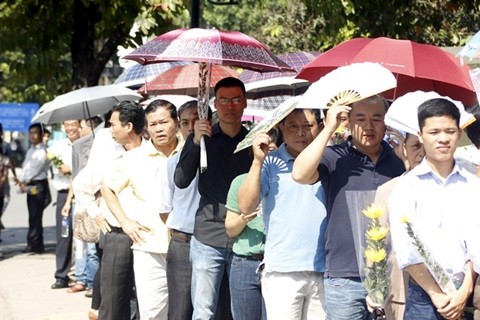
{"x": 225, "y": 101}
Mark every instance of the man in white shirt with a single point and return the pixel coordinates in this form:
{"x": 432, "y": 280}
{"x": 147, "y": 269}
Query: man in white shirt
{"x": 439, "y": 199}
{"x": 131, "y": 193}
{"x": 33, "y": 180}
{"x": 61, "y": 182}
{"x": 181, "y": 204}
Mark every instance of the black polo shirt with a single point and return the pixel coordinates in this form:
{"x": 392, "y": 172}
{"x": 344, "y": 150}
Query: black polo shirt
{"x": 343, "y": 168}
{"x": 213, "y": 184}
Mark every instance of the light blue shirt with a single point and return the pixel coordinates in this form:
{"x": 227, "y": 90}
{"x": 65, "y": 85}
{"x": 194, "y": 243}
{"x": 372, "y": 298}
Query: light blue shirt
{"x": 294, "y": 216}
{"x": 444, "y": 213}
{"x": 181, "y": 203}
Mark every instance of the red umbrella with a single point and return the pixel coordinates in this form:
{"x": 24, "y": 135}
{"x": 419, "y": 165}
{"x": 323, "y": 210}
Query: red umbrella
{"x": 416, "y": 66}
{"x": 184, "y": 80}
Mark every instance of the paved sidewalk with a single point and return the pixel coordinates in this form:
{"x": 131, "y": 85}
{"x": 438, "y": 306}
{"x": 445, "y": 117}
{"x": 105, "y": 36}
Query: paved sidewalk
{"x": 25, "y": 279}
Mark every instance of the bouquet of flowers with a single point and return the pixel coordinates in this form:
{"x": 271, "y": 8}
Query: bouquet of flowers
{"x": 55, "y": 160}
{"x": 377, "y": 280}
{"x": 340, "y": 135}
{"x": 443, "y": 280}
{"x": 371, "y": 237}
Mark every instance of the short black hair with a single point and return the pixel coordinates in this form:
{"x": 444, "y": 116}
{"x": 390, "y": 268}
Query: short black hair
{"x": 229, "y": 82}
{"x": 159, "y": 103}
{"x": 187, "y": 106}
{"x": 36, "y": 125}
{"x": 438, "y": 107}
{"x": 473, "y": 130}
{"x": 130, "y": 111}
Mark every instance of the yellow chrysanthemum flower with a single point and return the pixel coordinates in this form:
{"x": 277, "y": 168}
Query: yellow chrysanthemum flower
{"x": 375, "y": 255}
{"x": 50, "y": 156}
{"x": 377, "y": 234}
{"x": 404, "y": 219}
{"x": 374, "y": 211}
{"x": 341, "y": 129}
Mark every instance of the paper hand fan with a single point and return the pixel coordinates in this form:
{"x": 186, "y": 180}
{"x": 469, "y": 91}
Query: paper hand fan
{"x": 269, "y": 122}
{"x": 348, "y": 84}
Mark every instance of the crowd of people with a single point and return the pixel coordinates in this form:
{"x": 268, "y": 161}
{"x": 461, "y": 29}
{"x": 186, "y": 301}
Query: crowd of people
{"x": 265, "y": 232}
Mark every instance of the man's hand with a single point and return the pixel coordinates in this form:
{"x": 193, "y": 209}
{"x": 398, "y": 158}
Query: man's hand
{"x": 201, "y": 128}
{"x": 66, "y": 210}
{"x": 334, "y": 117}
{"x": 102, "y": 223}
{"x": 133, "y": 230}
{"x": 456, "y": 307}
{"x": 65, "y": 170}
{"x": 260, "y": 146}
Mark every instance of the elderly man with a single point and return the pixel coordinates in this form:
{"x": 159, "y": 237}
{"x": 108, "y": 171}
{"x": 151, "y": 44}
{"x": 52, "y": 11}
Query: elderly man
{"x": 61, "y": 182}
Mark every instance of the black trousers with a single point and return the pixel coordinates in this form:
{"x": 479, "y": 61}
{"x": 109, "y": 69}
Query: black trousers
{"x": 117, "y": 278}
{"x": 63, "y": 249}
{"x": 36, "y": 203}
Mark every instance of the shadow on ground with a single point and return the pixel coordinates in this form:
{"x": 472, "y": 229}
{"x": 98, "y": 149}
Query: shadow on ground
{"x": 14, "y": 240}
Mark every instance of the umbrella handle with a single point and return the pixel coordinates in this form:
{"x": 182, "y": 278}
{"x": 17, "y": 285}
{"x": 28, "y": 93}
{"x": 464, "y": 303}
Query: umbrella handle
{"x": 203, "y": 155}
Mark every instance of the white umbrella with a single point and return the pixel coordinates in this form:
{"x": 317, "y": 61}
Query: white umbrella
{"x": 402, "y": 114}
{"x": 83, "y": 103}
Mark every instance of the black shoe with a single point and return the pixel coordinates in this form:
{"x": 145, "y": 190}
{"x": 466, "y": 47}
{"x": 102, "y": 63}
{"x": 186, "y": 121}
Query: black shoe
{"x": 59, "y": 284}
{"x": 29, "y": 249}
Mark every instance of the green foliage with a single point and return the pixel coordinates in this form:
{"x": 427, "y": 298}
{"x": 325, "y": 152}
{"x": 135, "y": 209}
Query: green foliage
{"x": 49, "y": 47}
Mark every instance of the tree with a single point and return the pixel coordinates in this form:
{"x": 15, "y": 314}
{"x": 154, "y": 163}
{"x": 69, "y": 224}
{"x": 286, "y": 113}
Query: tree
{"x": 317, "y": 25}
{"x": 50, "y": 47}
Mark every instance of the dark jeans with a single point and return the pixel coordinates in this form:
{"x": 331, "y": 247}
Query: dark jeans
{"x": 419, "y": 306}
{"x": 245, "y": 289}
{"x": 116, "y": 279}
{"x": 179, "y": 279}
{"x": 36, "y": 204}
{"x": 63, "y": 249}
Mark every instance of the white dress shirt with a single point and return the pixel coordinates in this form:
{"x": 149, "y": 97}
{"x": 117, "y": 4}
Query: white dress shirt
{"x": 35, "y": 165}
{"x": 62, "y": 149}
{"x": 134, "y": 180}
{"x": 181, "y": 203}
{"x": 444, "y": 213}
{"x": 89, "y": 180}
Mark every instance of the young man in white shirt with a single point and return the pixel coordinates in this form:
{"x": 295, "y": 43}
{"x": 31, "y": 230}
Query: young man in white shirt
{"x": 439, "y": 199}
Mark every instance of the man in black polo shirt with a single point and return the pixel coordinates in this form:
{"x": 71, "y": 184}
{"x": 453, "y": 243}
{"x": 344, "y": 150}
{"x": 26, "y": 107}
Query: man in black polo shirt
{"x": 362, "y": 163}
{"x": 211, "y": 248}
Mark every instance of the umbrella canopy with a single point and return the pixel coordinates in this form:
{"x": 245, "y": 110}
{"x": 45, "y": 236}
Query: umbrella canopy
{"x": 137, "y": 75}
{"x": 231, "y": 48}
{"x": 184, "y": 80}
{"x": 83, "y": 103}
{"x": 416, "y": 66}
{"x": 176, "y": 99}
{"x": 403, "y": 112}
{"x": 296, "y": 60}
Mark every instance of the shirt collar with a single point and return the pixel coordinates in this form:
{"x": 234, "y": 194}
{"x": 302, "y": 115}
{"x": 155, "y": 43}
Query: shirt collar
{"x": 152, "y": 151}
{"x": 386, "y": 148}
{"x": 217, "y": 130}
{"x": 284, "y": 154}
{"x": 424, "y": 168}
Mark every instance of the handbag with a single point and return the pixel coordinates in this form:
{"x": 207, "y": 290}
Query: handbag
{"x": 85, "y": 228}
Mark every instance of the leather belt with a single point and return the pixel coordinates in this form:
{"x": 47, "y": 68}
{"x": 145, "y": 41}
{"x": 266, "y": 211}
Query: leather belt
{"x": 180, "y": 235}
{"x": 256, "y": 257}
